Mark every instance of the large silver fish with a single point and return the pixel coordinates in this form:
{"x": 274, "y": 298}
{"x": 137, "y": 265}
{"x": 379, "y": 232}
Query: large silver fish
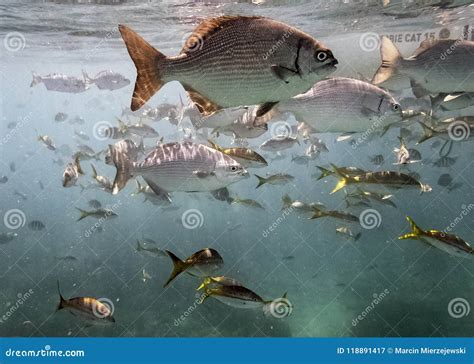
{"x": 343, "y": 105}
{"x": 437, "y": 66}
{"x": 232, "y": 61}
{"x": 183, "y": 166}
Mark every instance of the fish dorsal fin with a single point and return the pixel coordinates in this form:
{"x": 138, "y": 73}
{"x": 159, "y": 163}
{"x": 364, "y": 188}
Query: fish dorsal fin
{"x": 214, "y": 145}
{"x": 205, "y": 106}
{"x": 425, "y": 45}
{"x": 206, "y": 29}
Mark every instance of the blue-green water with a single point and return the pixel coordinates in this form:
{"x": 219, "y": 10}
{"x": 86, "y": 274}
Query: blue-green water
{"x": 409, "y": 286}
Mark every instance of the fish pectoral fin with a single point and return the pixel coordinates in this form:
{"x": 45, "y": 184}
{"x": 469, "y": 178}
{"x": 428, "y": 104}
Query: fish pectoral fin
{"x": 205, "y": 106}
{"x": 155, "y": 188}
{"x": 283, "y": 73}
{"x": 368, "y": 112}
{"x": 203, "y": 174}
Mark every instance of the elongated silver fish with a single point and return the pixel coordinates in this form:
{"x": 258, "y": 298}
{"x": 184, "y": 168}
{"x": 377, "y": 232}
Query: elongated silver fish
{"x": 437, "y": 66}
{"x": 245, "y": 156}
{"x": 279, "y": 143}
{"x": 246, "y": 126}
{"x": 343, "y": 105}
{"x": 232, "y": 61}
{"x": 203, "y": 263}
{"x": 103, "y": 181}
{"x": 184, "y": 166}
{"x": 162, "y": 199}
{"x": 449, "y": 243}
{"x": 61, "y": 83}
{"x": 107, "y": 80}
{"x": 275, "y": 179}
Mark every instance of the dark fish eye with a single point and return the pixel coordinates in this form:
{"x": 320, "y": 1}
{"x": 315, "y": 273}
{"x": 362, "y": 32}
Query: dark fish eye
{"x": 396, "y": 107}
{"x": 321, "y": 56}
{"x": 233, "y": 168}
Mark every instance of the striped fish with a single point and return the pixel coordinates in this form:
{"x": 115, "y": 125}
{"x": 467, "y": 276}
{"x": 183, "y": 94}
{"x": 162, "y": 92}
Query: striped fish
{"x": 343, "y": 105}
{"x": 449, "y": 243}
{"x": 88, "y": 308}
{"x": 203, "y": 263}
{"x": 186, "y": 166}
{"x": 437, "y": 66}
{"x": 232, "y": 61}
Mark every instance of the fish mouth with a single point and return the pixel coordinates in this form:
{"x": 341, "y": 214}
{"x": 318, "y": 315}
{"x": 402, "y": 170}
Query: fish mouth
{"x": 333, "y": 63}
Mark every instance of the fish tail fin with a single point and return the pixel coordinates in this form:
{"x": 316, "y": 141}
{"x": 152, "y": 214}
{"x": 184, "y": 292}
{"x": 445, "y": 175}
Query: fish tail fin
{"x": 94, "y": 171}
{"x": 214, "y": 145}
{"x": 357, "y": 236}
{"x": 178, "y": 267}
{"x": 36, "y": 79}
{"x": 77, "y": 161}
{"x": 261, "y": 181}
{"x": 83, "y": 215}
{"x": 139, "y": 246}
{"x": 62, "y": 301}
{"x": 428, "y": 132}
{"x": 416, "y": 232}
{"x": 324, "y": 172}
{"x": 342, "y": 179}
{"x": 286, "y": 201}
{"x": 204, "y": 283}
{"x": 391, "y": 58}
{"x": 124, "y": 169}
{"x": 150, "y": 66}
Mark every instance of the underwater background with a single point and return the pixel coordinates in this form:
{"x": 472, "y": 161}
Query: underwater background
{"x": 331, "y": 280}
